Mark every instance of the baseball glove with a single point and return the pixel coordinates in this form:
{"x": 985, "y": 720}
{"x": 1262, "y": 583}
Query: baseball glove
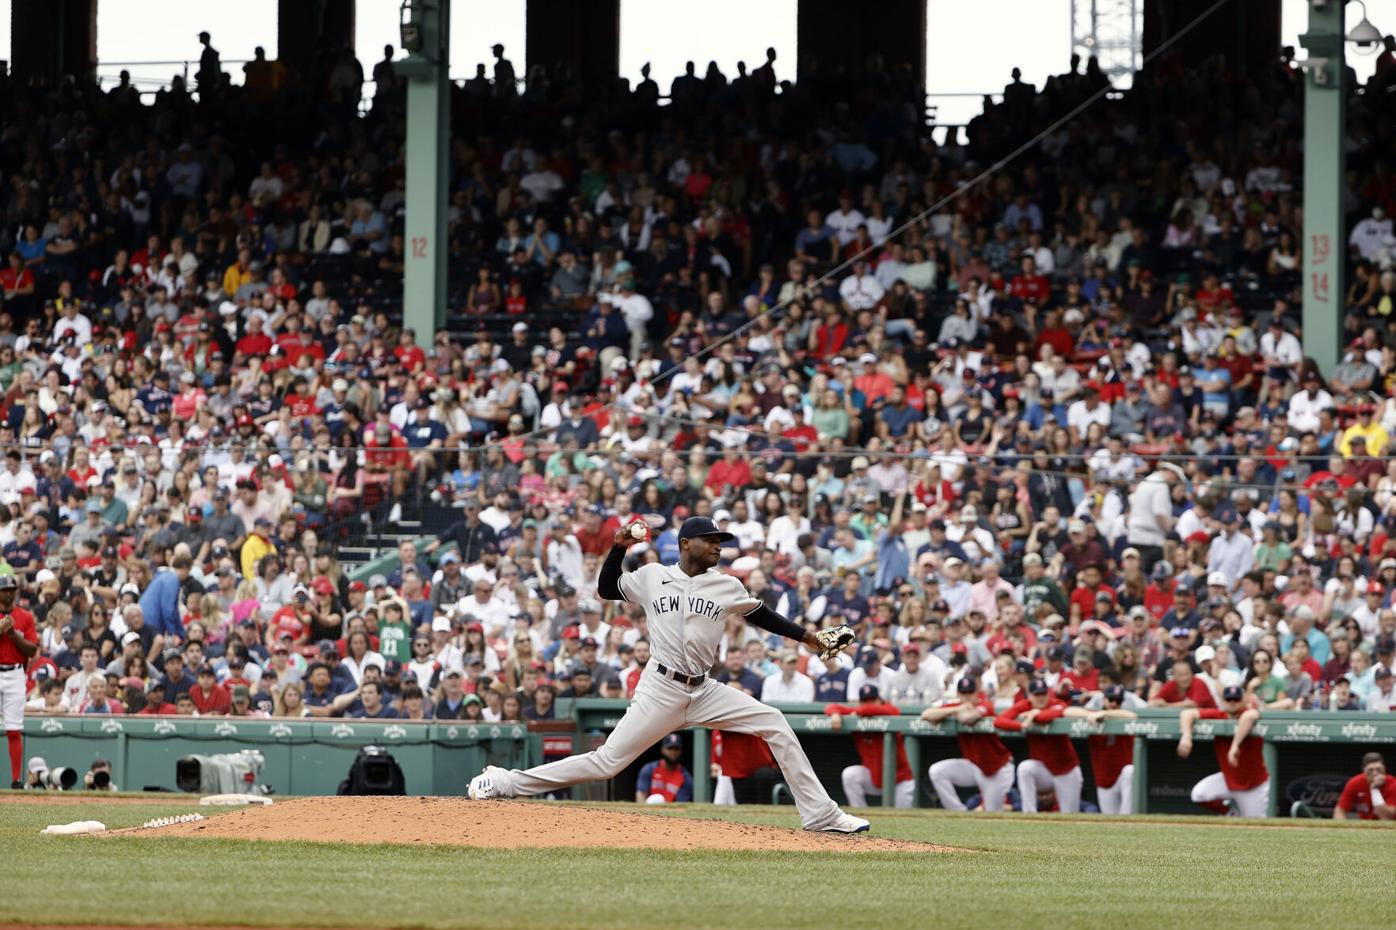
{"x": 833, "y": 640}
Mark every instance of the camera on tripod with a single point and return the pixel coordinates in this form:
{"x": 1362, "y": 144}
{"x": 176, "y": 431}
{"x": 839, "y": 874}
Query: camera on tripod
{"x": 227, "y": 773}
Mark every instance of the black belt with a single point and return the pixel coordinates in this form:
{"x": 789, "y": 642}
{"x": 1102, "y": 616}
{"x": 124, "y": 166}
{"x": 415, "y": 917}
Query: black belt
{"x": 692, "y": 681}
{"x": 12, "y": 668}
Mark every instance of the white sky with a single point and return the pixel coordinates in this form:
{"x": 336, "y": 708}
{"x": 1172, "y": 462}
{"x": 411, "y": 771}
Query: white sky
{"x": 706, "y": 37}
{"x": 1038, "y": 42}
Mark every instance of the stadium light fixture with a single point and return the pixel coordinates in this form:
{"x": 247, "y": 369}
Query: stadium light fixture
{"x": 1365, "y": 37}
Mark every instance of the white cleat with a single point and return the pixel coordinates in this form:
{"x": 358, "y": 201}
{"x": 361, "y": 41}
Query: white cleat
{"x": 846, "y": 823}
{"x": 486, "y": 785}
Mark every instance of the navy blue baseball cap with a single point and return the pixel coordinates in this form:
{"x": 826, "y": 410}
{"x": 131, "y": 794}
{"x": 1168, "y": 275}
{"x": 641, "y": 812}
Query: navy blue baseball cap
{"x": 1037, "y": 686}
{"x": 673, "y": 739}
{"x": 1232, "y": 693}
{"x": 1115, "y": 693}
{"x": 869, "y": 693}
{"x": 966, "y": 685}
{"x": 703, "y": 526}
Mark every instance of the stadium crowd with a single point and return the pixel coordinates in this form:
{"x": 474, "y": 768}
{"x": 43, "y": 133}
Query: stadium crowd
{"x": 1056, "y": 426}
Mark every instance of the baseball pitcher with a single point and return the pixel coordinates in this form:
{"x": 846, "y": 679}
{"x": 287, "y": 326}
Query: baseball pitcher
{"x": 687, "y": 605}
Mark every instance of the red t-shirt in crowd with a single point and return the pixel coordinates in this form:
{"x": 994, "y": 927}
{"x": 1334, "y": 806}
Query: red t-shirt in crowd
{"x": 723, "y": 473}
{"x": 1084, "y": 598}
{"x": 215, "y": 700}
{"x": 1030, "y": 286}
{"x": 258, "y": 345}
{"x": 301, "y": 405}
{"x": 393, "y": 455}
{"x": 287, "y": 623}
{"x": 412, "y": 358}
{"x": 1198, "y": 693}
{"x": 1083, "y": 681}
{"x": 11, "y": 282}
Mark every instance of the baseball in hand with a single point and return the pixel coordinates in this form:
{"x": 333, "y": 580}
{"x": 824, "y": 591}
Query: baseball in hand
{"x": 638, "y": 530}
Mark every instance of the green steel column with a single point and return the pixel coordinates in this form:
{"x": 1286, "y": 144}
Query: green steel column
{"x": 889, "y": 769}
{"x": 913, "y": 759}
{"x": 702, "y": 771}
{"x": 1271, "y": 754}
{"x": 428, "y": 169}
{"x": 1141, "y": 775}
{"x": 1324, "y": 241}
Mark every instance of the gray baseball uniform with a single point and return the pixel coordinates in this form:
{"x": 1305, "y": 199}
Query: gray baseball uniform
{"x": 686, "y": 618}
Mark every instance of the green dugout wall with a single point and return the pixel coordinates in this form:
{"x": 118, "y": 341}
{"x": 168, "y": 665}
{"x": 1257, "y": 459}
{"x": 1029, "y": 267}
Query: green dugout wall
{"x": 1309, "y": 755}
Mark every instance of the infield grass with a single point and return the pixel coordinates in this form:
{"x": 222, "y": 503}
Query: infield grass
{"x": 1071, "y": 873}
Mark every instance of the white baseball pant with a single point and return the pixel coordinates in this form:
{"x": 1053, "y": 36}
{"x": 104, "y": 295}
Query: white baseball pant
{"x": 723, "y": 792}
{"x": 858, "y": 784}
{"x": 12, "y": 686}
{"x": 1119, "y": 797}
{"x": 661, "y": 706}
{"x": 949, "y": 774}
{"x": 1252, "y": 803}
{"x": 1033, "y": 775}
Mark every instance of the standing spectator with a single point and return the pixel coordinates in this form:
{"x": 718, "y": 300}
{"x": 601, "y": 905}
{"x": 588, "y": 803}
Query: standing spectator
{"x": 789, "y": 685}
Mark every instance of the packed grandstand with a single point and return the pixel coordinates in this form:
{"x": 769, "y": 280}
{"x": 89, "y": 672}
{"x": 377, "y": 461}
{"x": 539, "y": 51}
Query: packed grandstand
{"x": 1053, "y": 424}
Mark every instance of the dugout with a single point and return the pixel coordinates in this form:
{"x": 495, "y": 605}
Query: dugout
{"x": 1310, "y": 755}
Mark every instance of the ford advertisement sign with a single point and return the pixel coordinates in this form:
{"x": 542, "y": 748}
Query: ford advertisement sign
{"x": 1320, "y": 792}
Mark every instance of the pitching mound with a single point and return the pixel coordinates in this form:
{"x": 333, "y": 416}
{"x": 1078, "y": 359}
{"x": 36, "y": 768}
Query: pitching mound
{"x": 509, "y": 825}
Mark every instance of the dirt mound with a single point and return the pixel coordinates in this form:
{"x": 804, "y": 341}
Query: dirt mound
{"x": 509, "y": 825}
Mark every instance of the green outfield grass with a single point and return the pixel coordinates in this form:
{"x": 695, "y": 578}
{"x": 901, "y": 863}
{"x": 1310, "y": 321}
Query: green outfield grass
{"x": 1039, "y": 872}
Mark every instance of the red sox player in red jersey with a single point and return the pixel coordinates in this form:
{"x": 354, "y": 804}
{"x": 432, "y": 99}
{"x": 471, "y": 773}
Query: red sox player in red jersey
{"x": 859, "y": 781}
{"x": 19, "y": 641}
{"x": 1112, "y": 754}
{"x": 986, "y": 762}
{"x": 1243, "y": 779}
{"x": 1370, "y": 794}
{"x": 1051, "y": 758}
{"x": 738, "y": 757}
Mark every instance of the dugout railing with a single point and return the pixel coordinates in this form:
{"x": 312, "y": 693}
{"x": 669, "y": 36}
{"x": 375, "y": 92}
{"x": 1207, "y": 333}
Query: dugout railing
{"x": 1309, "y": 755}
